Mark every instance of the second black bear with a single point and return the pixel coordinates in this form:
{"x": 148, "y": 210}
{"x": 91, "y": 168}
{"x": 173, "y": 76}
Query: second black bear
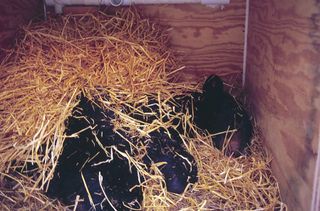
{"x": 218, "y": 112}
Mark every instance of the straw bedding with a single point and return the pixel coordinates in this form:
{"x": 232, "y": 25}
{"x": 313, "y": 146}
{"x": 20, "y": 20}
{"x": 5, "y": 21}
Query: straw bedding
{"x": 124, "y": 57}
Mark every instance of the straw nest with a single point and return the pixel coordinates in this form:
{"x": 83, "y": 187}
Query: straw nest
{"x": 125, "y": 57}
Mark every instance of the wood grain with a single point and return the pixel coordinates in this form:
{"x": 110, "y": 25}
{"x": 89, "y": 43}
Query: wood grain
{"x": 14, "y": 14}
{"x": 209, "y": 40}
{"x": 282, "y": 78}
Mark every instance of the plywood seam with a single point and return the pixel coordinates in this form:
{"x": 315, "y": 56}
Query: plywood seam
{"x": 244, "y": 67}
{"x": 316, "y": 185}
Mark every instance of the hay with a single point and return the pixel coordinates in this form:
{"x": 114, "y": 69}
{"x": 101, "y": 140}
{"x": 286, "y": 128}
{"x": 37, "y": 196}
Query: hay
{"x": 126, "y": 58}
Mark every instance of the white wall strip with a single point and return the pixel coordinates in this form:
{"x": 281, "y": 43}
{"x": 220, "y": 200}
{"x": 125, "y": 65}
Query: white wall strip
{"x": 244, "y": 67}
{"x": 315, "y": 203}
{"x": 59, "y": 4}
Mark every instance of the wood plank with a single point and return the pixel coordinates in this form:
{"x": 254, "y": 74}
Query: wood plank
{"x": 14, "y": 14}
{"x": 282, "y": 79}
{"x": 209, "y": 40}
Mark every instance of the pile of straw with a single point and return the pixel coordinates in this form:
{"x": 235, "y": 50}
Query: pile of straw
{"x": 126, "y": 58}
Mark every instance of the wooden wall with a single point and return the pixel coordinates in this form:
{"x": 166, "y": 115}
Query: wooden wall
{"x": 210, "y": 40}
{"x": 283, "y": 79}
{"x": 13, "y": 14}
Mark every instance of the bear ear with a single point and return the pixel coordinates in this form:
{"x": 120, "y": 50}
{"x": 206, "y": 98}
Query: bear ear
{"x": 213, "y": 84}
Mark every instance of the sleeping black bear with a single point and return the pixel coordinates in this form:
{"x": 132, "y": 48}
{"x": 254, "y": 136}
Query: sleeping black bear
{"x": 90, "y": 165}
{"x": 179, "y": 168}
{"x": 217, "y": 112}
{"x": 166, "y": 146}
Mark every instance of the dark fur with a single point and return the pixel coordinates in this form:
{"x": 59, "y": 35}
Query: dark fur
{"x": 177, "y": 171}
{"x": 167, "y": 146}
{"x": 218, "y": 111}
{"x": 82, "y": 154}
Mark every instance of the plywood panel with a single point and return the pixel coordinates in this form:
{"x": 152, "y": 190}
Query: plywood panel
{"x": 282, "y": 79}
{"x": 210, "y": 40}
{"x": 13, "y": 14}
